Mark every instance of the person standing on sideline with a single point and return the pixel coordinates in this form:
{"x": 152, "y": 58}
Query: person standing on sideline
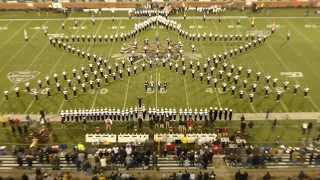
{"x": 251, "y": 124}
{"x": 309, "y": 128}
{"x": 274, "y": 124}
{"x": 84, "y": 123}
{"x": 267, "y": 112}
{"x": 108, "y": 124}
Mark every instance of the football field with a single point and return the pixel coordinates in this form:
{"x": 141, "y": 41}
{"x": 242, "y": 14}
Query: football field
{"x": 295, "y": 61}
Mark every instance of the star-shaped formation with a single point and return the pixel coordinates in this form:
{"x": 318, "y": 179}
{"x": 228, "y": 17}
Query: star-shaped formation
{"x": 215, "y": 70}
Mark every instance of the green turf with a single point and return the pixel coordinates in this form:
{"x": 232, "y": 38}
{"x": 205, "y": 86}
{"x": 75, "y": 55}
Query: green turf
{"x": 300, "y": 54}
{"x": 289, "y": 132}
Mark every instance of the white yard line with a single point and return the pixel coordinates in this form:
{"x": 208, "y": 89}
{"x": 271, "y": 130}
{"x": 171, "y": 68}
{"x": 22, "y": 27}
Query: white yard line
{"x": 185, "y": 89}
{"x": 185, "y": 84}
{"x": 20, "y": 49}
{"x": 14, "y": 35}
{"x": 157, "y": 72}
{"x": 96, "y": 95}
{"x": 15, "y": 55}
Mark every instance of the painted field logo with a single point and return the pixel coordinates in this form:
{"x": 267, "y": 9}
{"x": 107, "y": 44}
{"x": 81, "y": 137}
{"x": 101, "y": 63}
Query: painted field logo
{"x": 259, "y": 33}
{"x": 21, "y": 76}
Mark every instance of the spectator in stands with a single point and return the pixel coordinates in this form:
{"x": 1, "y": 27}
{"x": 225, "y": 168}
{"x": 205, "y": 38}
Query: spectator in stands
{"x": 81, "y": 157}
{"x": 317, "y": 159}
{"x": 213, "y": 175}
{"x": 103, "y": 163}
{"x": 302, "y": 175}
{"x": 267, "y": 176}
{"x": 238, "y": 175}
{"x": 67, "y": 176}
{"x": 181, "y": 160}
{"x": 311, "y": 157}
{"x": 146, "y": 162}
{"x": 154, "y": 160}
{"x": 192, "y": 176}
{"x": 20, "y": 161}
{"x": 25, "y": 177}
{"x": 309, "y": 128}
{"x": 179, "y": 175}
{"x": 185, "y": 176}
{"x": 295, "y": 155}
{"x": 78, "y": 164}
{"x": 191, "y": 158}
{"x": 200, "y": 176}
{"x": 67, "y": 157}
{"x": 29, "y": 159}
{"x": 190, "y": 125}
{"x": 87, "y": 168}
{"x": 128, "y": 161}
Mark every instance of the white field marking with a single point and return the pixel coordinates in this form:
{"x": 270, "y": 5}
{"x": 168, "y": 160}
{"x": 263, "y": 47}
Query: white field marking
{"x": 13, "y": 57}
{"x": 9, "y": 39}
{"x": 125, "y": 98}
{"x": 21, "y": 48}
{"x": 298, "y": 53}
{"x": 96, "y": 95}
{"x": 185, "y": 84}
{"x": 157, "y": 73}
{"x": 52, "y": 70}
{"x": 245, "y": 92}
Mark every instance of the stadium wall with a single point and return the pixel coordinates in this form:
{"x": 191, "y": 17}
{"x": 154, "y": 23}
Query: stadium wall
{"x": 134, "y": 4}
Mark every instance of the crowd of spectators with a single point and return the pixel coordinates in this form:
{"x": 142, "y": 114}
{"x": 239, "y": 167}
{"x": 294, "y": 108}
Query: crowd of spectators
{"x": 257, "y": 157}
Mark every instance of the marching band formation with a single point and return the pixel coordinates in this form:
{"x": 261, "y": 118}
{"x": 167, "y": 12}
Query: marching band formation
{"x": 171, "y": 114}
